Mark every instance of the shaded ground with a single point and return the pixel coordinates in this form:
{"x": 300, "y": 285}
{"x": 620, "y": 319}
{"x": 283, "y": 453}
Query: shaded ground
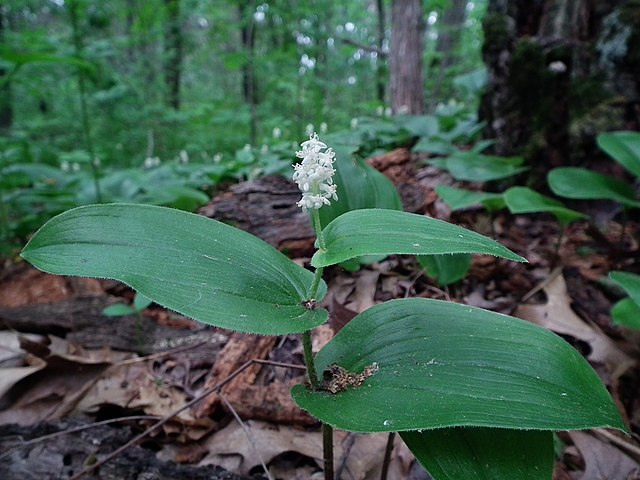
{"x": 65, "y": 365}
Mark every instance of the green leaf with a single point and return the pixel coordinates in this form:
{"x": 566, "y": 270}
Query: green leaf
{"x": 359, "y": 186}
{"x": 624, "y": 148}
{"x": 458, "y": 198}
{"x": 442, "y": 364}
{"x": 140, "y": 302}
{"x": 483, "y": 453}
{"x": 583, "y": 184}
{"x": 626, "y": 313}
{"x": 629, "y": 281}
{"x": 476, "y": 167}
{"x": 526, "y": 200}
{"x": 202, "y": 268}
{"x": 446, "y": 269}
{"x": 386, "y": 232}
{"x": 118, "y": 310}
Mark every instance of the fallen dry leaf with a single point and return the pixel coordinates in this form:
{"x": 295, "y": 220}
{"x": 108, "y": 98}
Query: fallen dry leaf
{"x": 556, "y": 315}
{"x": 602, "y": 460}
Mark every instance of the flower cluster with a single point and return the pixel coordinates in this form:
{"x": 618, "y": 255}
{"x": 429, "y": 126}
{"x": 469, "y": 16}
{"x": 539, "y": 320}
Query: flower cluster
{"x": 314, "y": 174}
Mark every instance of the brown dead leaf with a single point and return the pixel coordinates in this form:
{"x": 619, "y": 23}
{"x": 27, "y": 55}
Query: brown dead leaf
{"x": 603, "y": 460}
{"x": 556, "y": 315}
{"x": 235, "y": 450}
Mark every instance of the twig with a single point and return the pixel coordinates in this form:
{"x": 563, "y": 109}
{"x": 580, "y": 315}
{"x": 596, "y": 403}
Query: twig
{"x": 628, "y": 447}
{"x": 79, "y": 428}
{"x": 327, "y": 446}
{"x": 156, "y": 426}
{"x": 246, "y": 431}
{"x": 369, "y": 48}
{"x": 346, "y": 450}
{"x": 155, "y": 356}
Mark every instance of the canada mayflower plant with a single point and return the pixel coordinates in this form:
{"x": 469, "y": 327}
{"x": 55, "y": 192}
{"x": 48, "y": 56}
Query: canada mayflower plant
{"x": 473, "y": 393}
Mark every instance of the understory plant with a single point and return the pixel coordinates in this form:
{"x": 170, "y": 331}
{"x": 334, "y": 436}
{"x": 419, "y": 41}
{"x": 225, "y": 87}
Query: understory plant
{"x": 473, "y": 393}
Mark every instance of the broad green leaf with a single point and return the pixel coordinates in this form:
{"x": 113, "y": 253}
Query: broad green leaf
{"x": 458, "y": 198}
{"x": 441, "y": 364}
{"x": 118, "y": 310}
{"x": 629, "y": 281}
{"x": 526, "y": 200}
{"x": 476, "y": 167}
{"x": 624, "y": 148}
{"x": 483, "y": 453}
{"x": 202, "y": 268}
{"x": 583, "y": 184}
{"x": 446, "y": 269}
{"x": 359, "y": 186}
{"x": 435, "y": 146}
{"x": 386, "y": 232}
{"x": 626, "y": 312}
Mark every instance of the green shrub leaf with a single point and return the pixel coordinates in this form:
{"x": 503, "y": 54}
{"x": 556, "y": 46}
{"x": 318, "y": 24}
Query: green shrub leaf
{"x": 583, "y": 184}
{"x": 483, "y": 453}
{"x": 476, "y": 167}
{"x": 209, "y": 271}
{"x": 624, "y": 148}
{"x": 629, "y": 281}
{"x": 441, "y": 364}
{"x": 526, "y": 200}
{"x": 386, "y": 232}
{"x": 626, "y": 313}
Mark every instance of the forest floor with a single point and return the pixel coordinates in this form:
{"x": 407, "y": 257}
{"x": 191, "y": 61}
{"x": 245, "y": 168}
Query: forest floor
{"x": 193, "y": 401}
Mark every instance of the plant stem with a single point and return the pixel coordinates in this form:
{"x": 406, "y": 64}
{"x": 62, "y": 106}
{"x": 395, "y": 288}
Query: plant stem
{"x": 309, "y": 360}
{"x": 318, "y": 228}
{"x": 327, "y": 446}
{"x": 387, "y": 456}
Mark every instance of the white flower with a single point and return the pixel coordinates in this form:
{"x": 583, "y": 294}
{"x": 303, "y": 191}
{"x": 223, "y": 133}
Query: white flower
{"x": 314, "y": 174}
{"x": 557, "y": 67}
{"x": 277, "y": 133}
{"x": 323, "y": 127}
{"x": 309, "y": 129}
{"x": 354, "y": 123}
{"x": 65, "y": 166}
{"x": 183, "y": 157}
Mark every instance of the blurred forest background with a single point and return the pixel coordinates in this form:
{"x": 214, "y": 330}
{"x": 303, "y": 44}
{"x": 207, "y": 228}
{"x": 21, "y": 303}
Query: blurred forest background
{"x": 162, "y": 101}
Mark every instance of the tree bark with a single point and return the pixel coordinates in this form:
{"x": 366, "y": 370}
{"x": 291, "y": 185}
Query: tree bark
{"x": 407, "y": 46}
{"x": 560, "y": 72}
{"x": 249, "y": 85}
{"x": 173, "y": 53}
{"x": 381, "y": 84}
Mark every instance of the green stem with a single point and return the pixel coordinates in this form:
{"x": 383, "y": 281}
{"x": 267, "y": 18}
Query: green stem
{"x": 327, "y": 446}
{"x": 318, "y": 228}
{"x": 309, "y": 360}
{"x": 387, "y": 456}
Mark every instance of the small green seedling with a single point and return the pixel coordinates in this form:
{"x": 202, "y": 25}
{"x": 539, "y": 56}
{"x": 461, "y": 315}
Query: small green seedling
{"x": 626, "y": 312}
{"x": 460, "y": 199}
{"x": 446, "y": 269}
{"x": 474, "y": 394}
{"x": 140, "y": 302}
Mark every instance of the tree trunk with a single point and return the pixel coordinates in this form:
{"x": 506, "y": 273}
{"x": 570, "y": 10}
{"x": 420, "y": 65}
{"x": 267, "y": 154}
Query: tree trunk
{"x": 560, "y": 72}
{"x": 173, "y": 53}
{"x": 449, "y": 33}
{"x": 381, "y": 84}
{"x": 249, "y": 86}
{"x": 407, "y": 45}
{"x": 6, "y": 110}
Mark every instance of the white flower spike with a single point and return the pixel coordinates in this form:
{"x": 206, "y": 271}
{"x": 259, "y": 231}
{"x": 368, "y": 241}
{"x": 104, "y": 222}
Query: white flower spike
{"x": 314, "y": 174}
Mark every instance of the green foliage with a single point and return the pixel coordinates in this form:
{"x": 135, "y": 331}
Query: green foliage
{"x": 386, "y": 232}
{"x": 459, "y": 198}
{"x": 583, "y": 184}
{"x": 446, "y": 269}
{"x": 624, "y": 148}
{"x": 140, "y": 302}
{"x": 441, "y": 364}
{"x": 473, "y": 453}
{"x": 626, "y": 312}
{"x": 199, "y": 267}
{"x": 476, "y": 167}
{"x": 526, "y": 200}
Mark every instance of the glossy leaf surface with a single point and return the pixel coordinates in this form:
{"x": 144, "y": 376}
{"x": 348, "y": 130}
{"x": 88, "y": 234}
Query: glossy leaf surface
{"x": 624, "y": 148}
{"x": 204, "y": 269}
{"x": 441, "y": 364}
{"x": 483, "y": 453}
{"x": 526, "y": 200}
{"x": 386, "y": 232}
{"x": 459, "y": 198}
{"x": 583, "y": 184}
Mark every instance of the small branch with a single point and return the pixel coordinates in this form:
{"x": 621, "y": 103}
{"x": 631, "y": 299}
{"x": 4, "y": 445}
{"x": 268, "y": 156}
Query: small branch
{"x": 327, "y": 446}
{"x": 387, "y": 456}
{"x": 363, "y": 46}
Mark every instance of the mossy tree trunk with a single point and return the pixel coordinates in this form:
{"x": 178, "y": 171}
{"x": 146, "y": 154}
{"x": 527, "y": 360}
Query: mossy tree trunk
{"x": 560, "y": 71}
